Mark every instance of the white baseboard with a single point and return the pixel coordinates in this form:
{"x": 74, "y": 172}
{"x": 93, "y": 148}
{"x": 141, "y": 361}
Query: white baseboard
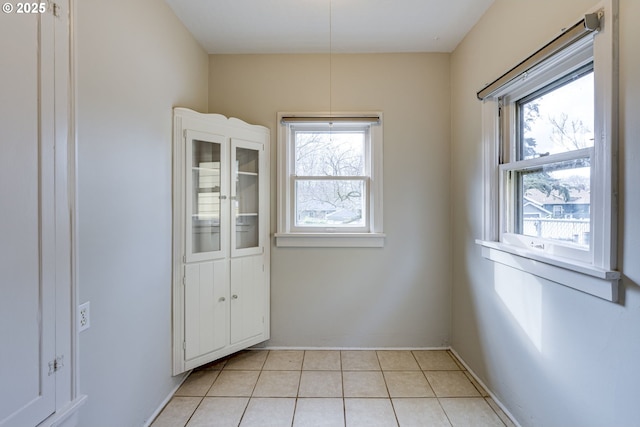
{"x": 66, "y": 416}
{"x": 346, "y": 348}
{"x": 493, "y": 396}
{"x": 166, "y": 400}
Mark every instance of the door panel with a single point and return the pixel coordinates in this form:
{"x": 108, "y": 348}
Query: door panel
{"x": 247, "y": 298}
{"x": 27, "y": 244}
{"x": 206, "y": 310}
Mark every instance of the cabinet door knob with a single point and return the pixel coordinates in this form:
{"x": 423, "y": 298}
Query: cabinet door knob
{"x": 222, "y": 299}
{"x": 234, "y": 296}
{"x": 223, "y": 197}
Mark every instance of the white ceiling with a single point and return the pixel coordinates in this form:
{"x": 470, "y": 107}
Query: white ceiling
{"x": 307, "y": 26}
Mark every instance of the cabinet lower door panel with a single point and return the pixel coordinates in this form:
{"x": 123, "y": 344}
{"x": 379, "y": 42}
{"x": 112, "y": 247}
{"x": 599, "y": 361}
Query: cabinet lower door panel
{"x": 206, "y": 297}
{"x": 248, "y": 296}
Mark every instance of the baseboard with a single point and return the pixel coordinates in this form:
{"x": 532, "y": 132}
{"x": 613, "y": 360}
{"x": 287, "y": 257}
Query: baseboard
{"x": 66, "y": 416}
{"x": 166, "y": 400}
{"x": 493, "y": 396}
{"x": 346, "y": 348}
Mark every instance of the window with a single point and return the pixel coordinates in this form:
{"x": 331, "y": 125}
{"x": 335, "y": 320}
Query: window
{"x": 549, "y": 150}
{"x": 330, "y": 180}
{"x": 546, "y": 156}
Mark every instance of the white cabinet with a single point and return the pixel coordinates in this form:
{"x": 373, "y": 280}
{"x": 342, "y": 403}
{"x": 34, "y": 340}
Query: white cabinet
{"x": 38, "y": 355}
{"x": 220, "y": 237}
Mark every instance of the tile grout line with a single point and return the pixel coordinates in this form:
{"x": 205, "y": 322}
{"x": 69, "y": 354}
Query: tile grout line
{"x": 344, "y": 404}
{"x": 444, "y": 411}
{"x": 201, "y": 398}
{"x": 493, "y": 409}
{"x": 194, "y": 411}
{"x": 463, "y": 366}
{"x": 393, "y": 406}
{"x": 295, "y": 402}
{"x": 253, "y": 389}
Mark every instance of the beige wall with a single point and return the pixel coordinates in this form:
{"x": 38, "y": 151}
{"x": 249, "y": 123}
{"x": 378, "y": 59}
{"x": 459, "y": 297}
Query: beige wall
{"x": 135, "y": 62}
{"x": 554, "y": 356}
{"x": 395, "y": 296}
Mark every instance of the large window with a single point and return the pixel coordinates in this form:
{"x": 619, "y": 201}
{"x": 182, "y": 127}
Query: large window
{"x": 549, "y": 155}
{"x": 330, "y": 176}
{"x": 545, "y": 167}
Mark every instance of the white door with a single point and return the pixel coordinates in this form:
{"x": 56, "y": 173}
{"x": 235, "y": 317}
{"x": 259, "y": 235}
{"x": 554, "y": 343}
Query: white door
{"x": 27, "y": 219}
{"x": 206, "y": 311}
{"x": 248, "y": 294}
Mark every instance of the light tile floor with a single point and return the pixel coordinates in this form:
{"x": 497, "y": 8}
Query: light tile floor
{"x": 291, "y": 388}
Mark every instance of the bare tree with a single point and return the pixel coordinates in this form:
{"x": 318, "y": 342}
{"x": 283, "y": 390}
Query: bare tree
{"x": 572, "y": 134}
{"x": 530, "y": 113}
{"x": 566, "y": 132}
{"x": 322, "y": 154}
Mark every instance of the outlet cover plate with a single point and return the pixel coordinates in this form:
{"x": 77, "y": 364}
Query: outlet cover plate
{"x": 84, "y": 319}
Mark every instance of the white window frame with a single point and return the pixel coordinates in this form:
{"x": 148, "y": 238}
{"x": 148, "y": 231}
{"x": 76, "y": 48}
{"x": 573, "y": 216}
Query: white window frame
{"x": 590, "y": 271}
{"x": 364, "y": 178}
{"x": 569, "y": 61}
{"x": 290, "y": 235}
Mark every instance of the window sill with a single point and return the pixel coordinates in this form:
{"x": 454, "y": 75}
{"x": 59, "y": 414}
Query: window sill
{"x": 333, "y": 240}
{"x": 582, "y": 277}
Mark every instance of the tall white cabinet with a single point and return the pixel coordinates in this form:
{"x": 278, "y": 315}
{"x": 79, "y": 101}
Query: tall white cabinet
{"x": 38, "y": 350}
{"x": 220, "y": 237}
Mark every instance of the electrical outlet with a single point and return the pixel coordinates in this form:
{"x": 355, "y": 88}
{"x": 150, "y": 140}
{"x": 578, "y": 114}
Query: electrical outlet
{"x": 84, "y": 320}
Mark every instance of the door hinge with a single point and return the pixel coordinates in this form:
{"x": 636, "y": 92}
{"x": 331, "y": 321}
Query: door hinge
{"x": 184, "y": 345}
{"x": 184, "y": 258}
{"x": 53, "y": 7}
{"x": 56, "y": 364}
{"x": 184, "y": 281}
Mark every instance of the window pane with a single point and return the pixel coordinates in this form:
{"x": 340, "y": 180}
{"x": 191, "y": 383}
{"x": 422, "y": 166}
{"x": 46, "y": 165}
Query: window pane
{"x": 247, "y": 160}
{"x": 246, "y": 203}
{"x": 247, "y": 231}
{"x": 330, "y": 203}
{"x": 554, "y": 202}
{"x": 558, "y": 120}
{"x": 205, "y": 197}
{"x": 339, "y": 153}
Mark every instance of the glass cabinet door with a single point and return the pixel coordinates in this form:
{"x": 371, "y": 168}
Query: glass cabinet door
{"x": 205, "y": 192}
{"x": 246, "y": 177}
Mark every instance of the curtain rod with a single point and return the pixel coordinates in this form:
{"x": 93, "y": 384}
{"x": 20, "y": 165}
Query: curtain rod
{"x": 584, "y": 27}
{"x": 373, "y": 119}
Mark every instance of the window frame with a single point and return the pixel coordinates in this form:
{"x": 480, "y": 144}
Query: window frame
{"x": 593, "y": 273}
{"x": 288, "y": 233}
{"x": 572, "y": 61}
{"x": 365, "y": 177}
